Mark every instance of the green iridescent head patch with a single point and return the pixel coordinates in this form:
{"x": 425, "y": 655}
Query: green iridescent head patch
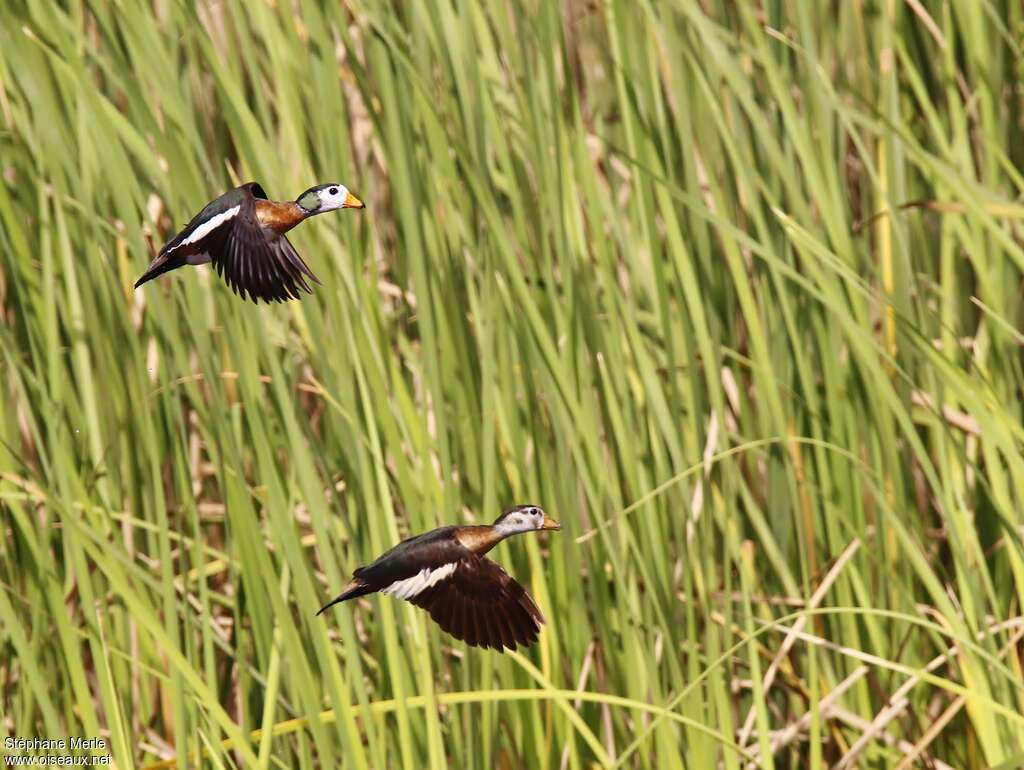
{"x": 309, "y": 200}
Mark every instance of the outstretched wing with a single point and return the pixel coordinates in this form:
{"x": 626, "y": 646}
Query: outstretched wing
{"x": 476, "y": 601}
{"x": 255, "y": 260}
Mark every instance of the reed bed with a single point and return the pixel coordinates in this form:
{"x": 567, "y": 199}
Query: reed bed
{"x": 732, "y": 289}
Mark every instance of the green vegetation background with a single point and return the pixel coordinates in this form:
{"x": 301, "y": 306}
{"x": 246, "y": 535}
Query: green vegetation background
{"x": 618, "y": 259}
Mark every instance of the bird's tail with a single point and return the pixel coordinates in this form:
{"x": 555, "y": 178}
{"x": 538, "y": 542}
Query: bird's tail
{"x": 159, "y": 266}
{"x": 352, "y": 590}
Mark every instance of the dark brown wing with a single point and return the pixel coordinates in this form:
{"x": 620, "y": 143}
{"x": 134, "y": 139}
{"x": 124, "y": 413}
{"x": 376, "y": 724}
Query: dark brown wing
{"x": 261, "y": 263}
{"x": 257, "y": 261}
{"x": 481, "y": 605}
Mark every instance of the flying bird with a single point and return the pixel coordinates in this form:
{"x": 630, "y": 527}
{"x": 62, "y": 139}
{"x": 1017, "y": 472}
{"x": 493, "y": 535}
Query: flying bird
{"x": 445, "y": 572}
{"x": 242, "y": 233}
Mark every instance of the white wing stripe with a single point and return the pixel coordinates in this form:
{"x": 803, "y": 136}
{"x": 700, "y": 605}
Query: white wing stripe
{"x": 420, "y": 582}
{"x": 209, "y": 226}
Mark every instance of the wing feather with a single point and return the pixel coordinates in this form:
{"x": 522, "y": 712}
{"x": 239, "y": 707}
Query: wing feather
{"x": 480, "y": 604}
{"x": 475, "y": 637}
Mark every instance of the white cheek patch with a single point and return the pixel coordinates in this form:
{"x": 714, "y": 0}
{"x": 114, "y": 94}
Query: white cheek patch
{"x": 420, "y": 582}
{"x": 210, "y": 225}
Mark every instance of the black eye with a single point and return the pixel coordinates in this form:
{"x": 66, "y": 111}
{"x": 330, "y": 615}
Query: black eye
{"x": 333, "y": 191}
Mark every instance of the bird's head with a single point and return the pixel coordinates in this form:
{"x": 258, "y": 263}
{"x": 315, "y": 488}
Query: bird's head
{"x": 524, "y": 518}
{"x": 328, "y": 197}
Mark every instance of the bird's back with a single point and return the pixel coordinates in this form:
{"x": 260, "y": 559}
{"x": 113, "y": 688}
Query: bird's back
{"x": 227, "y": 201}
{"x": 437, "y": 546}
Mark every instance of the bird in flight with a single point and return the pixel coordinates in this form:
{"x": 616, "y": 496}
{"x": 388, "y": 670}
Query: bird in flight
{"x": 242, "y": 233}
{"x": 445, "y": 572}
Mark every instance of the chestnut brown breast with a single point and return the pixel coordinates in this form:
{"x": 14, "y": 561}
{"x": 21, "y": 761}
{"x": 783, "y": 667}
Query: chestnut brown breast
{"x": 478, "y": 539}
{"x": 279, "y": 216}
